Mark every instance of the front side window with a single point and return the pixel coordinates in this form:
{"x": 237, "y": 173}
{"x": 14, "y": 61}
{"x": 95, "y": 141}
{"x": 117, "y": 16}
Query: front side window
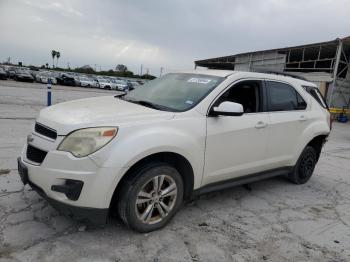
{"x": 247, "y": 93}
{"x": 283, "y": 97}
{"x": 174, "y": 92}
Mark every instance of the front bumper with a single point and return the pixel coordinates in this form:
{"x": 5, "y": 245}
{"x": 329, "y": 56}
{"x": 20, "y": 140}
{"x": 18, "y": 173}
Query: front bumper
{"x": 83, "y": 214}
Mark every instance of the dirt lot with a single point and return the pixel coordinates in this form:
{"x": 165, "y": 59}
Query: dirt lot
{"x": 271, "y": 220}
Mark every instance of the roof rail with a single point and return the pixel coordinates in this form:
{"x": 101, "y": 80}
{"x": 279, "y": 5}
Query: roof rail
{"x": 281, "y": 73}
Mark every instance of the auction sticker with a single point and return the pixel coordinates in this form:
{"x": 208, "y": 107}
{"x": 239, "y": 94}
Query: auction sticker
{"x": 199, "y": 80}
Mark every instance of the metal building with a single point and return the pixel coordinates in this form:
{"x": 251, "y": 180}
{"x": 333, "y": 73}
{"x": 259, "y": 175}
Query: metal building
{"x": 327, "y": 64}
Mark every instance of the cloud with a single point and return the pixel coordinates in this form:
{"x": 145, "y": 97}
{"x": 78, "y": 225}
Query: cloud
{"x": 155, "y": 33}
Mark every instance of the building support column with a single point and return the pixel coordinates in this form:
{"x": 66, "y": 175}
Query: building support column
{"x": 335, "y": 71}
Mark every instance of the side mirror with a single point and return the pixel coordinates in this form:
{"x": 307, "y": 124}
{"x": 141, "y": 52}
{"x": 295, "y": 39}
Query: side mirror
{"x": 228, "y": 109}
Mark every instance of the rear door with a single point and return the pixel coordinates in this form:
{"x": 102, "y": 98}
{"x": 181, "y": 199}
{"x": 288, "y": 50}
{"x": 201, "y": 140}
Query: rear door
{"x": 288, "y": 119}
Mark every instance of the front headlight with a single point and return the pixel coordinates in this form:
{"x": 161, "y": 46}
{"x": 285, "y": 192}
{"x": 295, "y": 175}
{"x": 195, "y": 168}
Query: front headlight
{"x": 86, "y": 141}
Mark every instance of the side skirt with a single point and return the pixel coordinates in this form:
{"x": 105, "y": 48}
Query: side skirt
{"x": 217, "y": 186}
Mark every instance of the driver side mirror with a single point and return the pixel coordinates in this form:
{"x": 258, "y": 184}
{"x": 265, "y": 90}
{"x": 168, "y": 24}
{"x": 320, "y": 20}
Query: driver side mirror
{"x": 227, "y": 109}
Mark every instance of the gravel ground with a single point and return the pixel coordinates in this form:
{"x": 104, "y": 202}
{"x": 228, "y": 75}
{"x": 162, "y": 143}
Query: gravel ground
{"x": 271, "y": 220}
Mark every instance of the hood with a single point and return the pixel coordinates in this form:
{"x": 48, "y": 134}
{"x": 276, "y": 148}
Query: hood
{"x": 98, "y": 111}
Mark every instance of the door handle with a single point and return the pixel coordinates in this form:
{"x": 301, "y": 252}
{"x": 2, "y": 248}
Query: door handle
{"x": 261, "y": 124}
{"x": 302, "y": 118}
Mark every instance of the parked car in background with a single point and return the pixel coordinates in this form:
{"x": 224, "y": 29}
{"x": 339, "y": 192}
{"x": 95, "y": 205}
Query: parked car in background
{"x": 105, "y": 83}
{"x": 135, "y": 84}
{"x": 11, "y": 72}
{"x": 121, "y": 85}
{"x": 44, "y": 78}
{"x": 3, "y": 74}
{"x": 23, "y": 75}
{"x": 34, "y": 73}
{"x": 65, "y": 79}
{"x": 85, "y": 81}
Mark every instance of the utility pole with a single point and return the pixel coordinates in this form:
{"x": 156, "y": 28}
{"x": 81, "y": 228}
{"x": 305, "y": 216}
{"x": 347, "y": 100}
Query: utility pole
{"x": 161, "y": 72}
{"x": 141, "y": 72}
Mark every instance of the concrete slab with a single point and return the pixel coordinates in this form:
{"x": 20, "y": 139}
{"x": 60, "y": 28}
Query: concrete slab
{"x": 274, "y": 221}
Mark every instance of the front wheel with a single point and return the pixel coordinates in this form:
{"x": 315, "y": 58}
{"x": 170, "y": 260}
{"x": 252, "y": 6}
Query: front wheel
{"x": 304, "y": 167}
{"x": 151, "y": 197}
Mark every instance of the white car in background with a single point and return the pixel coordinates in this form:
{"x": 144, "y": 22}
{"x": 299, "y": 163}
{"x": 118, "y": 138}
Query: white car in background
{"x": 106, "y": 84}
{"x": 44, "y": 78}
{"x": 84, "y": 81}
{"x": 145, "y": 152}
{"x": 135, "y": 84}
{"x": 121, "y": 85}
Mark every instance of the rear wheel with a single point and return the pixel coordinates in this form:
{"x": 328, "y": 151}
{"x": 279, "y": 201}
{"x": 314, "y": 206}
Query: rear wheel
{"x": 304, "y": 167}
{"x": 151, "y": 197}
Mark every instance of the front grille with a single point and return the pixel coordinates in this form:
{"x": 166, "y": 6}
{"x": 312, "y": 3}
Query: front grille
{"x": 35, "y": 154}
{"x": 45, "y": 131}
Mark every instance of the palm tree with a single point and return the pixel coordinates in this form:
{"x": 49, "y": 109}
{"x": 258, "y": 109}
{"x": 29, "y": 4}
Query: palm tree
{"x": 58, "y": 54}
{"x": 53, "y": 54}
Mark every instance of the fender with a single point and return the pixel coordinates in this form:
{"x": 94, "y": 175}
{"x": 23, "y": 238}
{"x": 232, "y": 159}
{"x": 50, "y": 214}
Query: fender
{"x": 135, "y": 143}
{"x": 313, "y": 130}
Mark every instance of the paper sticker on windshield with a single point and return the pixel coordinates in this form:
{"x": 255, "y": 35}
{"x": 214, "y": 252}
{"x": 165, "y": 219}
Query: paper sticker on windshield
{"x": 189, "y": 102}
{"x": 199, "y": 80}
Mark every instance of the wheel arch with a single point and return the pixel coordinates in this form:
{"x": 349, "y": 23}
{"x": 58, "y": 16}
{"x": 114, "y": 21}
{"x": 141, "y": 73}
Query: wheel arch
{"x": 179, "y": 162}
{"x": 317, "y": 143}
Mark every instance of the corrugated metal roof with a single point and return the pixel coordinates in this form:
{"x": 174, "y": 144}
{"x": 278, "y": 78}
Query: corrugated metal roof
{"x": 335, "y": 42}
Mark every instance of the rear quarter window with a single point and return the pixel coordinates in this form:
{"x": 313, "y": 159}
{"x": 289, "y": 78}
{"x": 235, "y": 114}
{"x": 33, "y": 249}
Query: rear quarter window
{"x": 316, "y": 94}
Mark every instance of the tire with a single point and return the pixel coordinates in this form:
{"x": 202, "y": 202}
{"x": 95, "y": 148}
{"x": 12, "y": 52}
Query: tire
{"x": 153, "y": 211}
{"x": 304, "y": 167}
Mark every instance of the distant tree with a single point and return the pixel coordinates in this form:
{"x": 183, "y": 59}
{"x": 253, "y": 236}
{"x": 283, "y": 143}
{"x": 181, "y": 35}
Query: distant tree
{"x": 58, "y": 54}
{"x": 53, "y": 54}
{"x": 121, "y": 68}
{"x": 147, "y": 76}
{"x": 86, "y": 69}
{"x": 47, "y": 65}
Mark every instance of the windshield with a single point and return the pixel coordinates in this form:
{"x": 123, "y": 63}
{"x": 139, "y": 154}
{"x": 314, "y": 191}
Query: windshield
{"x": 175, "y": 91}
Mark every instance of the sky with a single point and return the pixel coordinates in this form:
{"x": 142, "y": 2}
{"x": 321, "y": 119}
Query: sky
{"x": 161, "y": 33}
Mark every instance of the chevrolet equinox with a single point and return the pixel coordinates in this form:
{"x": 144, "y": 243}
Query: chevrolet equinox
{"x": 142, "y": 154}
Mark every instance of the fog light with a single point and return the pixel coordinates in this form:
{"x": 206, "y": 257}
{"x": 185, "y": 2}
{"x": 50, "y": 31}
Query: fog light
{"x": 72, "y": 188}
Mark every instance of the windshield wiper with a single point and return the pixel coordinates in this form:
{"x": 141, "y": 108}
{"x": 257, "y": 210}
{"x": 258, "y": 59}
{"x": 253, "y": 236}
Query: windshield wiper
{"x": 148, "y": 104}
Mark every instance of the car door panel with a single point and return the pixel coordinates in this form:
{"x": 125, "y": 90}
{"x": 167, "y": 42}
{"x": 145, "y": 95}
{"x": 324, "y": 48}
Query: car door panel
{"x": 286, "y": 127}
{"x": 236, "y": 145}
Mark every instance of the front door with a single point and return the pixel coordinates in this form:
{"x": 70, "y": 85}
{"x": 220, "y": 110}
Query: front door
{"x": 236, "y": 145}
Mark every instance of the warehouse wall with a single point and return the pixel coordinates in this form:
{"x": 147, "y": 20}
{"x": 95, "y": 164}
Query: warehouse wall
{"x": 260, "y": 61}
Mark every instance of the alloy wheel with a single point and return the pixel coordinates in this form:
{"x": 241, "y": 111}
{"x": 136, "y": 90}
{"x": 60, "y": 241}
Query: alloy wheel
{"x": 156, "y": 199}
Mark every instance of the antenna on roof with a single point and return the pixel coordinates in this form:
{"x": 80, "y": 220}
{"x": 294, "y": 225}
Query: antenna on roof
{"x": 281, "y": 73}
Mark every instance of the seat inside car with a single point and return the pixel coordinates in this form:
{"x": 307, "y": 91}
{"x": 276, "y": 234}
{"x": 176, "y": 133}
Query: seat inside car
{"x": 245, "y": 93}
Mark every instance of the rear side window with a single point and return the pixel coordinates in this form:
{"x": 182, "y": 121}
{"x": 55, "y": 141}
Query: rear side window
{"x": 315, "y": 93}
{"x": 283, "y": 97}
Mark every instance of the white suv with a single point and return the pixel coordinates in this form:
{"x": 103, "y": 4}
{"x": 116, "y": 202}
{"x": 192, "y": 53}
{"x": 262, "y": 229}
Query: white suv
{"x": 144, "y": 153}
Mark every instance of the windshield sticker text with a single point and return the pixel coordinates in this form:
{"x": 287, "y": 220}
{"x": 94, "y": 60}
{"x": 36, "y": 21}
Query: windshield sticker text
{"x": 199, "y": 80}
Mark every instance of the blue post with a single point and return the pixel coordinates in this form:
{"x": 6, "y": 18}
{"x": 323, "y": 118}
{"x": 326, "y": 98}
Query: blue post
{"x": 49, "y": 92}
